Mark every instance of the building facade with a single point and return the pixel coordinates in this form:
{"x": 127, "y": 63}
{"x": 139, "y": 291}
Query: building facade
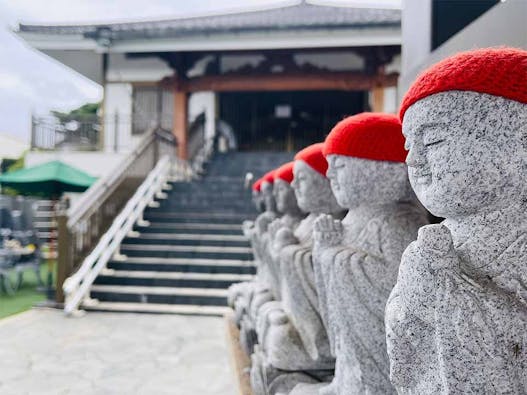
{"x": 275, "y": 78}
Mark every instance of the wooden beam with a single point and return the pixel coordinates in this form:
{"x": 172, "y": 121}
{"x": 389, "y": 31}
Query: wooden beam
{"x": 64, "y": 256}
{"x": 377, "y": 99}
{"x": 180, "y": 122}
{"x": 288, "y": 82}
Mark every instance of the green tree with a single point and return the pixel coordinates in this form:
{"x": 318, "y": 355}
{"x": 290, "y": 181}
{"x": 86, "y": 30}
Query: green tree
{"x": 88, "y": 110}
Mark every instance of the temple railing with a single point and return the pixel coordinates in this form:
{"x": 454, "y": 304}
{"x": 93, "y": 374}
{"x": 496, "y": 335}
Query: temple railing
{"x": 81, "y": 226}
{"x": 77, "y": 287}
{"x": 80, "y": 134}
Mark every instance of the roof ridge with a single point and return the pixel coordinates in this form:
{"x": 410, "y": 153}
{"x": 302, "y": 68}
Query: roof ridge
{"x": 208, "y": 14}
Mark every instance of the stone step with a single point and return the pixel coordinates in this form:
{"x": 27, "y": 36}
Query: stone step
{"x": 158, "y": 308}
{"x": 232, "y": 186}
{"x": 44, "y": 216}
{"x": 233, "y": 266}
{"x": 45, "y": 224}
{"x": 211, "y": 201}
{"x": 176, "y": 251}
{"x": 206, "y": 198}
{"x": 189, "y": 239}
{"x": 171, "y": 279}
{"x": 191, "y": 228}
{"x": 182, "y": 215}
{"x": 208, "y": 201}
{"x": 168, "y": 295}
{"x": 231, "y": 212}
{"x": 241, "y": 211}
{"x": 193, "y": 217}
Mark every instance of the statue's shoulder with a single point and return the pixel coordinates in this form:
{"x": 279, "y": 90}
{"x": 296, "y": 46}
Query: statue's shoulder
{"x": 407, "y": 217}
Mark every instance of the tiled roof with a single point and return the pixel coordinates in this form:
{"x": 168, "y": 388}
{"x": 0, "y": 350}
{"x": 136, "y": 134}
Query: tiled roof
{"x": 296, "y": 17}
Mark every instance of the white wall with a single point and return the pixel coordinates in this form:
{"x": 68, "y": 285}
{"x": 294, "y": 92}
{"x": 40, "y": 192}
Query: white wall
{"x": 391, "y": 104}
{"x": 118, "y": 100}
{"x": 416, "y": 32}
{"x": 504, "y": 24}
{"x": 96, "y": 164}
{"x": 203, "y": 101}
{"x": 123, "y": 69}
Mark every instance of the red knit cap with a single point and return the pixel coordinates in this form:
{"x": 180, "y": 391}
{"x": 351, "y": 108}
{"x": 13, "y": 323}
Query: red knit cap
{"x": 313, "y": 156}
{"x": 269, "y": 177}
{"x": 369, "y": 135}
{"x": 285, "y": 172}
{"x": 496, "y": 71}
{"x": 257, "y": 185}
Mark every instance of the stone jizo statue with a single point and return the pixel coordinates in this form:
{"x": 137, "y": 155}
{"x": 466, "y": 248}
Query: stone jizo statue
{"x": 357, "y": 259}
{"x": 456, "y": 321}
{"x": 291, "y": 334}
{"x": 281, "y": 228}
{"x": 241, "y": 295}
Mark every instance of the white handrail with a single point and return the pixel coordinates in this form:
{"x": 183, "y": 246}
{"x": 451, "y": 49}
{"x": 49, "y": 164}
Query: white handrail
{"x": 77, "y": 286}
{"x": 98, "y": 190}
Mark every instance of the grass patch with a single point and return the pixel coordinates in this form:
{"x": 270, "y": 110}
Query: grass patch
{"x": 26, "y": 296}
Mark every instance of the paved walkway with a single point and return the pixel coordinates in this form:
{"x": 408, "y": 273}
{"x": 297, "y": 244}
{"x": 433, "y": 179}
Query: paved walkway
{"x": 42, "y": 352}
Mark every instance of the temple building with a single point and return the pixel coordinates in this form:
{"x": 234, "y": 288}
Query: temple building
{"x": 269, "y": 79}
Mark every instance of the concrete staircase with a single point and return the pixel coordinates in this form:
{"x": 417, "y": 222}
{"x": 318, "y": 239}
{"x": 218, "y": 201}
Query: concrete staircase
{"x": 193, "y": 248}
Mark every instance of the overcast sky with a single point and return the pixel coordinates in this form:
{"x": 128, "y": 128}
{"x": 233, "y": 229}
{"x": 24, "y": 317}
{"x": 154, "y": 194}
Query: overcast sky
{"x": 32, "y": 82}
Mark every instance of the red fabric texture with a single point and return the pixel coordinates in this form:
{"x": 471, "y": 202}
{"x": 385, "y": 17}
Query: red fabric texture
{"x": 495, "y": 71}
{"x": 269, "y": 177}
{"x": 369, "y": 135}
{"x": 285, "y": 172}
{"x": 257, "y": 185}
{"x": 313, "y": 156}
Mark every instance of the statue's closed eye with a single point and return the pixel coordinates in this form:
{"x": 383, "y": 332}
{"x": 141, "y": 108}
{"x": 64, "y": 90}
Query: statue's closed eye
{"x": 434, "y": 142}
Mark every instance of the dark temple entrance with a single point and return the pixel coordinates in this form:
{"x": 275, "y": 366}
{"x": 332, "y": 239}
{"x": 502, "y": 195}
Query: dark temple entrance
{"x": 286, "y": 120}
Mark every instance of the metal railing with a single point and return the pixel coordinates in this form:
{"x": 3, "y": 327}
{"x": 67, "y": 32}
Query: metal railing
{"x": 81, "y": 134}
{"x": 81, "y": 227}
{"x": 85, "y": 133}
{"x": 77, "y": 287}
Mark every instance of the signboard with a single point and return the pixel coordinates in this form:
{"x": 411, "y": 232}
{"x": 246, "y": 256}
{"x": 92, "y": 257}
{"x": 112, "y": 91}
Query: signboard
{"x": 282, "y": 111}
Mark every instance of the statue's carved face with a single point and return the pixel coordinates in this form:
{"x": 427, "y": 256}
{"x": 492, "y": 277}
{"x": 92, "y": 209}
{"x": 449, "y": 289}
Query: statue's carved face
{"x": 466, "y": 152}
{"x": 357, "y": 181}
{"x": 285, "y": 197}
{"x": 312, "y": 190}
{"x": 258, "y": 200}
{"x": 267, "y": 196}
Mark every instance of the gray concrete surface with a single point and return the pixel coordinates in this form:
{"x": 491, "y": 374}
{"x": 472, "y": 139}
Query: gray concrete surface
{"x": 42, "y": 352}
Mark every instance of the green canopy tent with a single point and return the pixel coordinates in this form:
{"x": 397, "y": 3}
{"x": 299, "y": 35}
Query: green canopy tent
{"x": 49, "y": 179}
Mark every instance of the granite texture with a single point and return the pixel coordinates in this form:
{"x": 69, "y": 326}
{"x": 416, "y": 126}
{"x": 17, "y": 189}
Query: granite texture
{"x": 280, "y": 230}
{"x": 456, "y": 321}
{"x": 246, "y": 298}
{"x": 267, "y": 380}
{"x": 258, "y": 201}
{"x": 356, "y": 262}
{"x": 293, "y": 343}
{"x": 241, "y": 295}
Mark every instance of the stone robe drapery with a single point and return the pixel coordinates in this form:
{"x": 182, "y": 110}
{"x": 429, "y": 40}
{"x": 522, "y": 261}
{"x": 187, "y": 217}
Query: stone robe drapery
{"x": 356, "y": 280}
{"x": 301, "y": 343}
{"x": 477, "y": 337}
{"x": 300, "y": 303}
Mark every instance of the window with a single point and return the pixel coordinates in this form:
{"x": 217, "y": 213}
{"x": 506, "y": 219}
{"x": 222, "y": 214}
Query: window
{"x": 151, "y": 106}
